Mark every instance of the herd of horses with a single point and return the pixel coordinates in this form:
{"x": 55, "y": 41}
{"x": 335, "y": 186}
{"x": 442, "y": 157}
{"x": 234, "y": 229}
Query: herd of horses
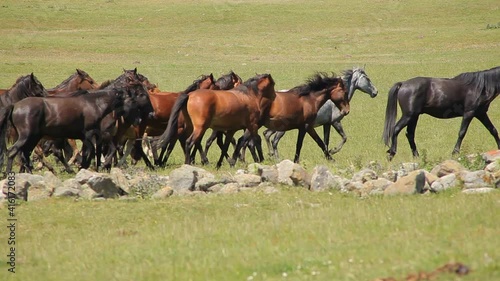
{"x": 112, "y": 118}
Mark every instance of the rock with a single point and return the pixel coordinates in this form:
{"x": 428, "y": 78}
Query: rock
{"x": 413, "y": 183}
{"x": 365, "y": 175}
{"x": 120, "y": 179}
{"x": 185, "y": 177}
{"x": 375, "y": 187}
{"x": 51, "y": 181}
{"x": 476, "y": 179}
{"x": 447, "y": 167}
{"x": 290, "y": 173}
{"x": 23, "y": 182}
{"x": 323, "y": 179}
{"x": 491, "y": 156}
{"x": 39, "y": 191}
{"x": 69, "y": 188}
{"x": 84, "y": 175}
{"x": 205, "y": 183}
{"x": 229, "y": 188}
{"x": 390, "y": 175}
{"x": 445, "y": 182}
{"x": 248, "y": 180}
{"x": 352, "y": 186}
{"x": 493, "y": 167}
{"x": 87, "y": 193}
{"x": 480, "y": 190}
{"x": 163, "y": 193}
{"x": 104, "y": 185}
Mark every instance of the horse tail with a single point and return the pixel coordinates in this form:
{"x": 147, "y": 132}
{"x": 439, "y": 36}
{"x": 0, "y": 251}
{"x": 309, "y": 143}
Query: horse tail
{"x": 5, "y": 114}
{"x": 172, "y": 126}
{"x": 390, "y": 113}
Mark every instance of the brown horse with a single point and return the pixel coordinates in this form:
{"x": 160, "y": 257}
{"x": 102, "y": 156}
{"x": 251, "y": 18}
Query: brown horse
{"x": 25, "y": 86}
{"x": 240, "y": 108}
{"x": 162, "y": 103}
{"x": 297, "y": 108}
{"x": 76, "y": 117}
{"x": 80, "y": 80}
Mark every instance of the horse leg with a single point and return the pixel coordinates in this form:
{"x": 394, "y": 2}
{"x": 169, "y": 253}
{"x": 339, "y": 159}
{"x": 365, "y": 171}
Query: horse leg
{"x": 467, "y": 118}
{"x": 267, "y": 136}
{"x": 225, "y": 147}
{"x": 485, "y": 120}
{"x": 338, "y": 127}
{"x": 298, "y": 146}
{"x": 394, "y": 140}
{"x": 410, "y": 135}
{"x": 326, "y": 134}
{"x": 276, "y": 139}
{"x": 58, "y": 153}
{"x": 210, "y": 140}
{"x": 318, "y": 141}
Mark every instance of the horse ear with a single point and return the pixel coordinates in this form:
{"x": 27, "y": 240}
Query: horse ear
{"x": 79, "y": 71}
{"x": 32, "y": 76}
{"x": 135, "y": 70}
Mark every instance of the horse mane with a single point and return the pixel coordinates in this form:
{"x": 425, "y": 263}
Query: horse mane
{"x": 66, "y": 81}
{"x": 105, "y": 84}
{"x": 70, "y": 94}
{"x": 317, "y": 82}
{"x": 251, "y": 83}
{"x": 485, "y": 81}
{"x": 225, "y": 81}
{"x": 196, "y": 84}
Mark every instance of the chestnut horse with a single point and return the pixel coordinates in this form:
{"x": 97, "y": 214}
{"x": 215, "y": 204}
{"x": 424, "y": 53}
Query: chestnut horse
{"x": 240, "y": 108}
{"x": 297, "y": 108}
{"x": 162, "y": 103}
{"x": 467, "y": 95}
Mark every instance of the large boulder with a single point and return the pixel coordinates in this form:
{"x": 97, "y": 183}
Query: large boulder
{"x": 292, "y": 174}
{"x": 323, "y": 179}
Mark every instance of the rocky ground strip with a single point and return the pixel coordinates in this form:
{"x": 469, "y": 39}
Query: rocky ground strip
{"x": 191, "y": 180}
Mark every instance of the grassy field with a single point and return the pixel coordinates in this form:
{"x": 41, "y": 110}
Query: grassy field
{"x": 305, "y": 235}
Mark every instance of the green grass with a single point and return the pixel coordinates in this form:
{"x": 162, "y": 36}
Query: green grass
{"x": 231, "y": 237}
{"x": 210, "y": 237}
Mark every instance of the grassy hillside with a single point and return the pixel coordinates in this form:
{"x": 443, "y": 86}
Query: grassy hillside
{"x": 257, "y": 236}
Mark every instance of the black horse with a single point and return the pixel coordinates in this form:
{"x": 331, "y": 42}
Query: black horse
{"x": 77, "y": 117}
{"x": 468, "y": 95}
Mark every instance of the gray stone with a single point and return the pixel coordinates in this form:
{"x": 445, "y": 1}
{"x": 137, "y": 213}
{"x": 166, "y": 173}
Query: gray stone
{"x": 323, "y": 179}
{"x": 51, "y": 181}
{"x": 38, "y": 191}
{"x": 84, "y": 175}
{"x": 491, "y": 156}
{"x": 87, "y": 193}
{"x": 365, "y": 175}
{"x": 447, "y": 167}
{"x": 163, "y": 193}
{"x": 248, "y": 180}
{"x": 69, "y": 188}
{"x": 480, "y": 190}
{"x": 476, "y": 179}
{"x": 390, "y": 175}
{"x": 270, "y": 174}
{"x": 229, "y": 188}
{"x": 413, "y": 183}
{"x": 205, "y": 183}
{"x": 185, "y": 177}
{"x": 445, "y": 182}
{"x": 120, "y": 179}
{"x": 493, "y": 167}
{"x": 377, "y": 186}
{"x": 104, "y": 185}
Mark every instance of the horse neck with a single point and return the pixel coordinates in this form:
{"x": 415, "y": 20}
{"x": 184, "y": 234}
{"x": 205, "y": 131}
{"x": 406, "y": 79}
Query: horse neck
{"x": 105, "y": 102}
{"x": 65, "y": 86}
{"x": 349, "y": 85}
{"x": 319, "y": 98}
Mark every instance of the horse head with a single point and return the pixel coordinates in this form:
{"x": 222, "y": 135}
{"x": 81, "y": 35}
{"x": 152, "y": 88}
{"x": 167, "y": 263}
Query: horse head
{"x": 34, "y": 86}
{"x": 85, "y": 82}
{"x": 339, "y": 96}
{"x": 357, "y": 79}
